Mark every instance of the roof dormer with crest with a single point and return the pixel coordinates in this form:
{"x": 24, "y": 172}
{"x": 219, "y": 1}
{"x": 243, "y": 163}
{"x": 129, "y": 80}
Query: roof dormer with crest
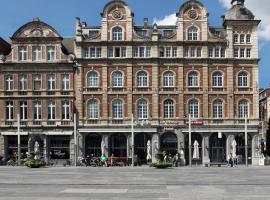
{"x": 35, "y": 39}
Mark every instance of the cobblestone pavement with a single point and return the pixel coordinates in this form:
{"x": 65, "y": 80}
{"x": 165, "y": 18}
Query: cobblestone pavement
{"x": 142, "y": 183}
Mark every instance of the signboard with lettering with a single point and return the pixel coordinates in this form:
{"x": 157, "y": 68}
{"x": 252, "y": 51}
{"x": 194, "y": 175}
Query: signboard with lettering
{"x": 195, "y": 122}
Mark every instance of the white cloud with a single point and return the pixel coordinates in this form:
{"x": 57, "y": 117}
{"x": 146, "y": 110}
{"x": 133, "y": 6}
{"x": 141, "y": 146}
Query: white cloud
{"x": 261, "y": 10}
{"x": 167, "y": 20}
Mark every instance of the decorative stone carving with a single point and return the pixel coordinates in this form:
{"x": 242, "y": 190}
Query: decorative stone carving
{"x": 192, "y": 14}
{"x": 117, "y": 14}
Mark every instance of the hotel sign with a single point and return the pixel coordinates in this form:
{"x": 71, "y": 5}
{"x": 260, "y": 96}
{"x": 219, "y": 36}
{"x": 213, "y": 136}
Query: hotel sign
{"x": 195, "y": 122}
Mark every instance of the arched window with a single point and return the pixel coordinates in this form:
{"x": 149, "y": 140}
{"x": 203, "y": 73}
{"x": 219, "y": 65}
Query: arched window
{"x": 93, "y": 109}
{"x": 168, "y": 109}
{"x": 117, "y": 109}
{"x": 193, "y": 79}
{"x": 92, "y": 79}
{"x": 117, "y": 79}
{"x": 217, "y": 79}
{"x": 217, "y": 109}
{"x": 193, "y": 108}
{"x": 142, "y": 79}
{"x": 142, "y": 109}
{"x": 243, "y": 109}
{"x": 117, "y": 33}
{"x": 168, "y": 79}
{"x": 243, "y": 79}
{"x": 193, "y": 33}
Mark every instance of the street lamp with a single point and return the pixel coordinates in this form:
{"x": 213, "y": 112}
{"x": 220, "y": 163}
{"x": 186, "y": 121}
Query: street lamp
{"x": 132, "y": 140}
{"x": 189, "y": 139}
{"x": 19, "y": 139}
{"x": 246, "y": 141}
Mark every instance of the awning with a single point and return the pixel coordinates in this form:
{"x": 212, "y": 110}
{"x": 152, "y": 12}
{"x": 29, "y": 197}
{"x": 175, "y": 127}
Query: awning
{"x": 39, "y": 133}
{"x": 119, "y": 130}
{"x": 13, "y": 133}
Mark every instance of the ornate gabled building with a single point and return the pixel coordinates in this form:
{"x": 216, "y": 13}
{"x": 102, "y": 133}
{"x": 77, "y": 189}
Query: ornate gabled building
{"x": 161, "y": 74}
{"x": 37, "y": 83}
{"x": 158, "y": 74}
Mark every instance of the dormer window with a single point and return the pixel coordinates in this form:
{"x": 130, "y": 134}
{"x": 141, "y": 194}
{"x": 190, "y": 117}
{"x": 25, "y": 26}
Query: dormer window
{"x": 142, "y": 33}
{"x": 22, "y": 53}
{"x": 193, "y": 34}
{"x": 117, "y": 34}
{"x": 167, "y": 33}
{"x": 93, "y": 34}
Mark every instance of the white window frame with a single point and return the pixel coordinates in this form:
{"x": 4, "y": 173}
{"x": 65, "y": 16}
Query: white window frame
{"x": 37, "y": 115}
{"x": 51, "y": 110}
{"x": 242, "y": 79}
{"x": 92, "y": 79}
{"x": 22, "y": 53}
{"x": 217, "y": 79}
{"x": 93, "y": 109}
{"x": 51, "y": 82}
{"x": 168, "y": 79}
{"x": 193, "y": 79}
{"x": 23, "y": 110}
{"x": 193, "y": 34}
{"x": 117, "y": 79}
{"x": 23, "y": 82}
{"x": 51, "y": 53}
{"x": 65, "y": 115}
{"x": 9, "y": 83}
{"x": 142, "y": 79}
{"x": 117, "y": 109}
{"x": 194, "y": 108}
{"x": 142, "y": 109}
{"x": 36, "y": 53}
{"x": 117, "y": 33}
{"x": 65, "y": 80}
{"x": 217, "y": 109}
{"x": 243, "y": 108}
{"x": 169, "y": 109}
{"x": 9, "y": 110}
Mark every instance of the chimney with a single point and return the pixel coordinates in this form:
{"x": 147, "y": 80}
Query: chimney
{"x": 145, "y": 23}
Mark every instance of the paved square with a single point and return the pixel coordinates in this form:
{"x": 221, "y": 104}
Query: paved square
{"x": 142, "y": 183}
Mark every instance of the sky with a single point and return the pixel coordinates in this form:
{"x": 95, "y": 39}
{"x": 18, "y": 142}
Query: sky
{"x": 61, "y": 15}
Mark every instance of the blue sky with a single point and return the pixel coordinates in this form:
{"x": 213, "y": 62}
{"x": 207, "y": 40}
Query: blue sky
{"x": 61, "y": 15}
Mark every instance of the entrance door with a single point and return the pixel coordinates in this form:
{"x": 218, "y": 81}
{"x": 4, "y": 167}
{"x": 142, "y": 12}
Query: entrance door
{"x": 168, "y": 143}
{"x": 140, "y": 145}
{"x": 217, "y": 148}
{"x": 118, "y": 145}
{"x": 93, "y": 145}
{"x": 240, "y": 148}
{"x": 194, "y": 137}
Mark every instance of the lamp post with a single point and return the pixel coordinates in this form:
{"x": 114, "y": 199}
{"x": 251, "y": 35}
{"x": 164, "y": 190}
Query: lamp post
{"x": 19, "y": 139}
{"x": 132, "y": 140}
{"x": 189, "y": 139}
{"x": 75, "y": 139}
{"x": 246, "y": 142}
